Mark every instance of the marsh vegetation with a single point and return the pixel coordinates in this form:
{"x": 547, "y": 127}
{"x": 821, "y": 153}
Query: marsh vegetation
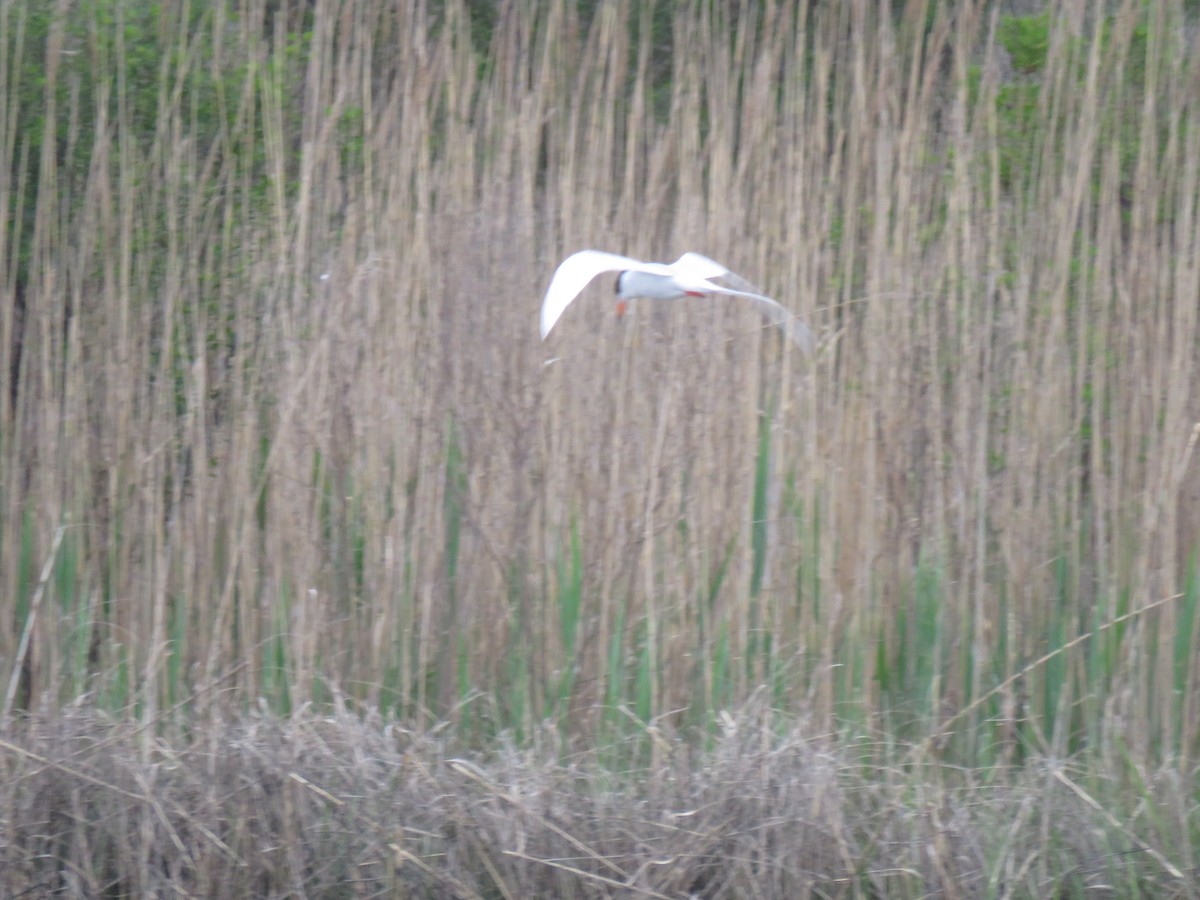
{"x": 317, "y": 576}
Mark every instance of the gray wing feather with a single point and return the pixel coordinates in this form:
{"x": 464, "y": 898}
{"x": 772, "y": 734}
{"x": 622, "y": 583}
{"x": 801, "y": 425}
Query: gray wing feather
{"x": 779, "y": 315}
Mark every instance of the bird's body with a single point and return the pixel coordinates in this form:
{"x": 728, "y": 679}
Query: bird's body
{"x": 656, "y": 286}
{"x": 689, "y": 276}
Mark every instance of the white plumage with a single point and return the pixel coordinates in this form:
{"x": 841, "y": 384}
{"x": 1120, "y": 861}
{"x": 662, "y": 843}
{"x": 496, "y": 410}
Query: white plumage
{"x": 689, "y": 276}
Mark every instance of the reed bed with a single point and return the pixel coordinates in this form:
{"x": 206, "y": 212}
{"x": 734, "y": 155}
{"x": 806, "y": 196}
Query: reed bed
{"x": 342, "y": 805}
{"x": 278, "y": 435}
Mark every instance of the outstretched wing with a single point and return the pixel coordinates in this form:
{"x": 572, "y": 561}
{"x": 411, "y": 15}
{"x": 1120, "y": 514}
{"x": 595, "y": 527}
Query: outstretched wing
{"x": 699, "y": 266}
{"x": 574, "y": 274}
{"x": 778, "y": 315}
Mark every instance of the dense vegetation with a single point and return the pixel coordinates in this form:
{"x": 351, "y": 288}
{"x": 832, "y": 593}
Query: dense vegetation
{"x": 285, "y": 470}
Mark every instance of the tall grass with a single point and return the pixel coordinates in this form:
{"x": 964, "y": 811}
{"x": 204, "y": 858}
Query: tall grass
{"x": 276, "y": 427}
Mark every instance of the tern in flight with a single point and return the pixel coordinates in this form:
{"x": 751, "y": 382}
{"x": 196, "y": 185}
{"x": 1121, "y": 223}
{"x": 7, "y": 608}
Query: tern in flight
{"x": 689, "y": 276}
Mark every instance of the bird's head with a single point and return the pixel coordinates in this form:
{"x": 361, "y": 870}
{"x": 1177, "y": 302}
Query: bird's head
{"x": 619, "y": 290}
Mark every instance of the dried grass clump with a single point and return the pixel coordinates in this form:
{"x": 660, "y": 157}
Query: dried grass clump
{"x": 314, "y": 805}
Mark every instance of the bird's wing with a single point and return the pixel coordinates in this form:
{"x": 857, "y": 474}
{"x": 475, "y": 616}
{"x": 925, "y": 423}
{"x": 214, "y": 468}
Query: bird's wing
{"x": 699, "y": 266}
{"x": 575, "y": 273}
{"x": 695, "y": 265}
{"x": 779, "y": 315}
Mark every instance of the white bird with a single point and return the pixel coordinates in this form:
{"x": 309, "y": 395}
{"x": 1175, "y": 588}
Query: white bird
{"x": 689, "y": 276}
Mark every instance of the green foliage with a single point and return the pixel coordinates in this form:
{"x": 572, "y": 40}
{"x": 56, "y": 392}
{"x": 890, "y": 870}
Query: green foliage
{"x": 1017, "y": 109}
{"x": 121, "y": 63}
{"x": 926, "y": 638}
{"x": 27, "y": 570}
{"x": 1054, "y": 673}
{"x": 643, "y": 695}
{"x": 1027, "y": 39}
{"x": 1135, "y": 63}
{"x": 570, "y": 594}
{"x": 350, "y": 129}
{"x": 455, "y": 501}
{"x": 1187, "y": 646}
{"x": 276, "y": 677}
{"x": 758, "y": 527}
{"x": 614, "y": 671}
{"x": 722, "y": 672}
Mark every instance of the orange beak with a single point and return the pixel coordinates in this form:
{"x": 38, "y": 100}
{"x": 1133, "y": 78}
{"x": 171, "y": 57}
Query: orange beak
{"x": 621, "y": 307}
